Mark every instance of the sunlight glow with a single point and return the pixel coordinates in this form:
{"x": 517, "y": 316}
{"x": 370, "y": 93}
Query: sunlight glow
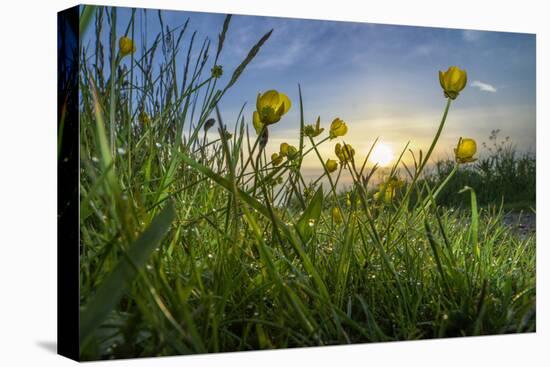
{"x": 382, "y": 154}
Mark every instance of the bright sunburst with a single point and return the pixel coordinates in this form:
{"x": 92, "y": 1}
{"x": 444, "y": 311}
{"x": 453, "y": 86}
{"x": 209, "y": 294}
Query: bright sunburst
{"x": 382, "y": 154}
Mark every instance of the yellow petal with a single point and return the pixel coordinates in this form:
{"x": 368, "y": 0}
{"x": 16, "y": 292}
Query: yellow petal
{"x": 292, "y": 152}
{"x": 342, "y": 130}
{"x": 337, "y": 215}
{"x": 269, "y": 99}
{"x": 257, "y": 122}
{"x": 281, "y": 110}
{"x": 258, "y": 106}
{"x": 442, "y": 79}
{"x": 454, "y": 75}
{"x": 337, "y": 150}
{"x": 286, "y": 101}
{"x": 284, "y": 149}
{"x": 126, "y": 46}
{"x": 465, "y": 150}
{"x": 276, "y": 159}
{"x": 331, "y": 165}
{"x": 463, "y": 80}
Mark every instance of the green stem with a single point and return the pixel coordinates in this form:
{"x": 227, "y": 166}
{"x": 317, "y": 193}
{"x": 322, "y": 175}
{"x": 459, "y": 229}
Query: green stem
{"x": 434, "y": 142}
{"x": 423, "y": 163}
{"x": 114, "y": 61}
{"x": 327, "y": 173}
{"x": 131, "y": 112}
{"x": 441, "y": 186}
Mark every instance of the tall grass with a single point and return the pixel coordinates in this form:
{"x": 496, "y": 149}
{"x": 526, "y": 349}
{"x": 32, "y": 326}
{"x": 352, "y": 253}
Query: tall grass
{"x": 502, "y": 176}
{"x": 189, "y": 243}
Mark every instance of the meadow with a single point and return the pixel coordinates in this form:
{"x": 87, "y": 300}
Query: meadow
{"x": 195, "y": 239}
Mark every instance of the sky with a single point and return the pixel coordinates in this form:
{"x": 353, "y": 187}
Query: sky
{"x": 382, "y": 80}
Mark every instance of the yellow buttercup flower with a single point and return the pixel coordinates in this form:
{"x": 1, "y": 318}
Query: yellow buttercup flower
{"x": 387, "y": 191}
{"x": 276, "y": 159}
{"x": 289, "y": 151}
{"x": 465, "y": 150}
{"x": 344, "y": 153}
{"x": 314, "y": 130}
{"x": 331, "y": 165}
{"x": 270, "y": 107}
{"x": 284, "y": 149}
{"x": 292, "y": 152}
{"x": 337, "y": 215}
{"x": 396, "y": 182}
{"x": 126, "y": 46}
{"x": 144, "y": 118}
{"x": 453, "y": 81}
{"x": 256, "y": 122}
{"x": 387, "y": 195}
{"x": 338, "y": 128}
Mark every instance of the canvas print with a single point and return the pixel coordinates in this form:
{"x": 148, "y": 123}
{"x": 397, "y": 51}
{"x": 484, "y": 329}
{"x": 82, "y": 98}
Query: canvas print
{"x": 236, "y": 183}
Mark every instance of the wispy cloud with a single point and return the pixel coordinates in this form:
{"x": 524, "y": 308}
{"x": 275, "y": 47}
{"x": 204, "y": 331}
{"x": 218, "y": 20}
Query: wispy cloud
{"x": 471, "y": 36}
{"x": 422, "y": 50}
{"x": 292, "y": 53}
{"x": 483, "y": 86}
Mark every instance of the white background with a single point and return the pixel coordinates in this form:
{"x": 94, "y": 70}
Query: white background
{"x": 28, "y": 182}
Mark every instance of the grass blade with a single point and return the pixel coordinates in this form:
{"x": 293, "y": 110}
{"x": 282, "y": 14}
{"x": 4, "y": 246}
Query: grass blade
{"x": 311, "y": 215}
{"x": 113, "y": 287}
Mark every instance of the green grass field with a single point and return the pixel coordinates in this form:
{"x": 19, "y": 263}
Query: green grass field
{"x": 193, "y": 242}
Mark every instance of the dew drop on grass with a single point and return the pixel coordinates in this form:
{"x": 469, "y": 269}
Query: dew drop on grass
{"x": 121, "y": 151}
{"x": 158, "y": 145}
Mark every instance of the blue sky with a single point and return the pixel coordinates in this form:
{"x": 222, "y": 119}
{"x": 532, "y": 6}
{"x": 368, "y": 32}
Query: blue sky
{"x": 381, "y": 79}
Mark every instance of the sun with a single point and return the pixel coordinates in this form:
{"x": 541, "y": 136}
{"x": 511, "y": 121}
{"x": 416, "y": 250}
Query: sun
{"x": 382, "y": 154}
